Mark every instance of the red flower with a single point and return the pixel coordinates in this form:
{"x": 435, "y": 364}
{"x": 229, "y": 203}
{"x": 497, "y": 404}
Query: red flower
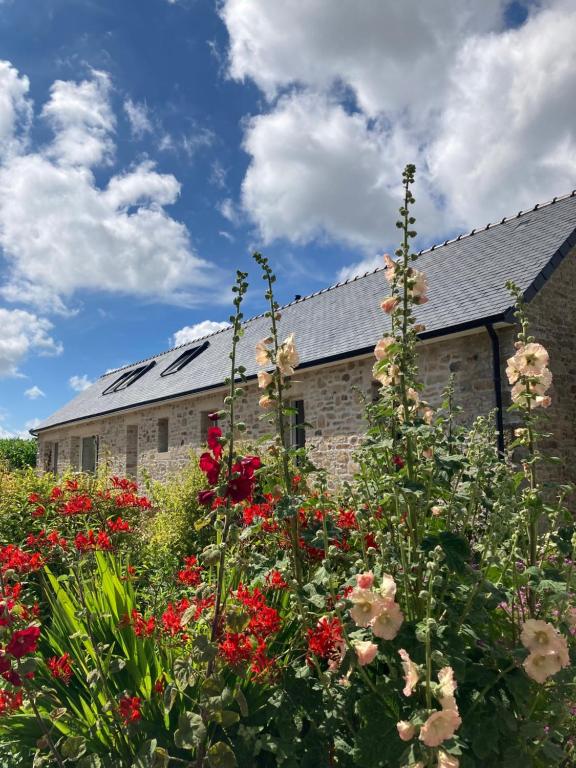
{"x": 192, "y": 574}
{"x": 159, "y": 686}
{"x": 398, "y": 461}
{"x": 236, "y": 648}
{"x": 264, "y": 620}
{"x": 275, "y": 581}
{"x": 71, "y": 485}
{"x": 326, "y": 639}
{"x": 370, "y": 541}
{"x": 129, "y": 709}
{"x": 119, "y": 525}
{"x": 210, "y": 467}
{"x": 9, "y": 701}
{"x": 206, "y": 497}
{"x": 60, "y": 667}
{"x": 13, "y": 558}
{"x": 172, "y": 616}
{"x": 23, "y": 642}
{"x": 347, "y": 520}
{"x": 241, "y": 484}
{"x": 77, "y": 505}
{"x": 93, "y": 541}
{"x": 40, "y": 511}
{"x": 213, "y": 441}
{"x": 142, "y": 627}
{"x": 124, "y": 484}
{"x": 34, "y": 498}
{"x": 55, "y": 493}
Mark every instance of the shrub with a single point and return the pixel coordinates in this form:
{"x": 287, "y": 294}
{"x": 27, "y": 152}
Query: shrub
{"x": 17, "y": 452}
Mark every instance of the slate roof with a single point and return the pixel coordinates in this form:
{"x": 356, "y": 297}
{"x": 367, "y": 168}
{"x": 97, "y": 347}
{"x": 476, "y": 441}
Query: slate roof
{"x": 466, "y": 278}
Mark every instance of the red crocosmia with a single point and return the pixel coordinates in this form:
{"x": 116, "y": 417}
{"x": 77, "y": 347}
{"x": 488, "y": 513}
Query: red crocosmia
{"x": 124, "y": 484}
{"x": 274, "y": 580}
{"x": 39, "y": 511}
{"x": 159, "y": 686}
{"x": 77, "y": 505}
{"x": 14, "y": 678}
{"x": 261, "y": 663}
{"x": 13, "y": 558}
{"x": 142, "y": 627}
{"x": 129, "y": 499}
{"x": 92, "y": 541}
{"x": 172, "y": 616}
{"x": 23, "y": 642}
{"x": 264, "y": 620}
{"x": 210, "y": 467}
{"x": 206, "y": 497}
{"x": 236, "y": 648}
{"x": 55, "y": 493}
{"x": 60, "y": 667}
{"x": 213, "y": 441}
{"x": 346, "y": 520}
{"x": 398, "y": 461}
{"x": 191, "y": 575}
{"x": 129, "y": 708}
{"x": 71, "y": 485}
{"x": 9, "y": 702}
{"x": 326, "y": 639}
{"x": 119, "y": 525}
{"x": 34, "y": 498}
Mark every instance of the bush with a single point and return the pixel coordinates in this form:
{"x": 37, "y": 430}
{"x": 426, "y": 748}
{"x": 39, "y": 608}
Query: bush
{"x": 18, "y": 453}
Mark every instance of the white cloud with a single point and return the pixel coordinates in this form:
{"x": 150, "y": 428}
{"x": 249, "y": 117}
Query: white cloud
{"x": 188, "y": 144}
{"x": 226, "y": 235}
{"x": 360, "y": 268}
{"x": 33, "y": 393}
{"x": 15, "y": 109}
{"x": 138, "y": 117}
{"x": 31, "y": 424}
{"x": 80, "y": 383}
{"x": 487, "y": 114}
{"x": 23, "y": 333}
{"x": 62, "y": 232}
{"x": 191, "y": 332}
{"x": 229, "y": 211}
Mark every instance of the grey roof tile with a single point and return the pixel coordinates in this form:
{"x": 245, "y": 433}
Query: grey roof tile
{"x": 466, "y": 278}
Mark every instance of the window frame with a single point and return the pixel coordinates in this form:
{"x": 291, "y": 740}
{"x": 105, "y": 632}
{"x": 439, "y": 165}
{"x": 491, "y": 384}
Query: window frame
{"x": 127, "y": 378}
{"x": 186, "y": 357}
{"x": 163, "y": 423}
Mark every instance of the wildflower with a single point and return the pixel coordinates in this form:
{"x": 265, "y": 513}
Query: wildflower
{"x": 77, "y": 505}
{"x": 264, "y": 379}
{"x": 447, "y": 761}
{"x": 446, "y": 689}
{"x": 411, "y": 673}
{"x": 388, "y": 621}
{"x": 60, "y": 667}
{"x": 439, "y": 727}
{"x": 382, "y": 348}
{"x": 129, "y": 709}
{"x": 142, "y": 627}
{"x": 406, "y": 730}
{"x": 287, "y": 356}
{"x": 119, "y": 525}
{"x": 172, "y": 617}
{"x": 236, "y": 648}
{"x": 365, "y": 652}
{"x": 23, "y": 642}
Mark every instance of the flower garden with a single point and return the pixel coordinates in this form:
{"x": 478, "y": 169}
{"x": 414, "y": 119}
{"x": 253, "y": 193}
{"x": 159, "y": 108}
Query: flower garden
{"x": 422, "y": 616}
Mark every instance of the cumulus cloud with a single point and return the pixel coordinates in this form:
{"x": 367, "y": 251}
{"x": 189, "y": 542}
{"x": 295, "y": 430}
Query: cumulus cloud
{"x": 444, "y": 84}
{"x": 192, "y": 332}
{"x": 62, "y": 232}
{"x": 33, "y": 393}
{"x": 23, "y": 333}
{"x": 79, "y": 383}
{"x": 15, "y": 109}
{"x": 359, "y": 268}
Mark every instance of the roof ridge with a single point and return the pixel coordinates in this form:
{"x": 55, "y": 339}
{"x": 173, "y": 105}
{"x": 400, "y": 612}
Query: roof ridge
{"x": 458, "y": 238}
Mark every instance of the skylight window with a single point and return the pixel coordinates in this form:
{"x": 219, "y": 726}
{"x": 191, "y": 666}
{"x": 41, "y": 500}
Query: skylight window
{"x": 185, "y": 358}
{"x": 128, "y": 378}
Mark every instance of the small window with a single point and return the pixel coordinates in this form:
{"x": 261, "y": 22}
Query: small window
{"x": 185, "y": 358}
{"x": 162, "y": 435}
{"x": 132, "y": 450}
{"x": 128, "y": 378}
{"x": 89, "y": 454}
{"x": 55, "y": 459}
{"x": 297, "y": 429}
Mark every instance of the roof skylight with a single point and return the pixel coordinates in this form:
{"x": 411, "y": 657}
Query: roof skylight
{"x": 128, "y": 377}
{"x": 185, "y": 358}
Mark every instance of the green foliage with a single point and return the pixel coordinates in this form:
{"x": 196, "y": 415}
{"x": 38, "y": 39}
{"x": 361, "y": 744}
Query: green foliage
{"x": 18, "y": 453}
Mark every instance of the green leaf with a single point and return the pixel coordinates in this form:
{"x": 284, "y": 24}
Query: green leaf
{"x": 224, "y": 717}
{"x": 151, "y": 755}
{"x": 73, "y": 748}
{"x": 221, "y": 756}
{"x": 191, "y": 731}
{"x": 90, "y": 761}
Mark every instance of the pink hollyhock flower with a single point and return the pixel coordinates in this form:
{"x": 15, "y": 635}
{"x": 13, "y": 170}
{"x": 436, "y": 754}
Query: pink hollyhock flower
{"x": 530, "y": 360}
{"x": 367, "y": 605}
{"x": 287, "y": 356}
{"x": 365, "y": 652}
{"x": 365, "y": 580}
{"x": 439, "y": 727}
{"x": 389, "y": 304}
{"x": 390, "y": 267}
{"x": 540, "y": 665}
{"x": 263, "y": 352}
{"x": 265, "y": 401}
{"x": 419, "y": 286}
{"x": 406, "y": 730}
{"x": 446, "y": 689}
{"x": 388, "y": 622}
{"x": 382, "y": 348}
{"x": 411, "y": 673}
{"x": 264, "y": 379}
{"x": 388, "y": 587}
{"x": 539, "y": 635}
{"x": 447, "y": 761}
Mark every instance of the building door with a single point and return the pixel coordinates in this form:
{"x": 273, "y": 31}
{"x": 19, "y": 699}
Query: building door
{"x": 89, "y": 454}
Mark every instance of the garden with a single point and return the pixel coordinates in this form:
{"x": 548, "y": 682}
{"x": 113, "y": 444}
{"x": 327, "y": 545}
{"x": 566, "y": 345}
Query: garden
{"x": 247, "y": 614}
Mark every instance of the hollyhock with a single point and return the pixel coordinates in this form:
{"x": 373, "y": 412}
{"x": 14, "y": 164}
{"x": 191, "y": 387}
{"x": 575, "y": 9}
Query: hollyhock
{"x": 388, "y": 621}
{"x": 365, "y": 652}
{"x": 213, "y": 441}
{"x": 447, "y": 761}
{"x": 265, "y": 401}
{"x": 529, "y": 360}
{"x": 206, "y": 497}
{"x": 382, "y": 348}
{"x": 23, "y": 642}
{"x": 210, "y": 467}
{"x": 129, "y": 709}
{"x": 542, "y": 664}
{"x": 390, "y": 268}
{"x": 389, "y": 304}
{"x": 264, "y": 379}
{"x": 60, "y": 667}
{"x": 406, "y": 730}
{"x": 263, "y": 351}
{"x": 287, "y": 356}
{"x": 365, "y": 580}
{"x": 411, "y": 673}
{"x": 446, "y": 689}
{"x": 439, "y": 727}
{"x": 537, "y": 635}
{"x": 419, "y": 286}
{"x": 367, "y": 606}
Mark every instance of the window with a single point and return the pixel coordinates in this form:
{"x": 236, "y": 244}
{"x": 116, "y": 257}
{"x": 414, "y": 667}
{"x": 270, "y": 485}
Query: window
{"x": 89, "y": 454}
{"x": 50, "y": 457}
{"x": 162, "y": 435}
{"x": 185, "y": 358}
{"x": 128, "y": 378}
{"x": 54, "y": 468}
{"x": 132, "y": 450}
{"x": 297, "y": 429}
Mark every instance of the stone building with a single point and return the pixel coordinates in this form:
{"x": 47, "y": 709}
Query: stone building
{"x": 153, "y": 413}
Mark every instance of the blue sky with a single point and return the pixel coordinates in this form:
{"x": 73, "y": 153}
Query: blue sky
{"x": 147, "y": 148}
